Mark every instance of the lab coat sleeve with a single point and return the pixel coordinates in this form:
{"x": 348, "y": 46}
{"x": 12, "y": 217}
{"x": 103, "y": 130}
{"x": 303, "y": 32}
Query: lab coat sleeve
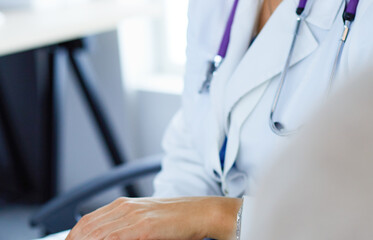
{"x": 183, "y": 172}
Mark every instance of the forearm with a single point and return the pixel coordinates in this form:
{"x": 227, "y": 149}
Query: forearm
{"x": 150, "y": 218}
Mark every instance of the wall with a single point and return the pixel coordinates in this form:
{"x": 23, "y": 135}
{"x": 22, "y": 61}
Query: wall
{"x": 139, "y": 117}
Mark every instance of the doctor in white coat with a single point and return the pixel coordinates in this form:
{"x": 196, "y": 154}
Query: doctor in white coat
{"x": 237, "y": 108}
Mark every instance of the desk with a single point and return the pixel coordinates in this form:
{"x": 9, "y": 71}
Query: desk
{"x": 30, "y": 29}
{"x": 63, "y": 28}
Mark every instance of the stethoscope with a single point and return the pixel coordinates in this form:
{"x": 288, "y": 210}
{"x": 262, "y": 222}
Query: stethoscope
{"x": 277, "y": 127}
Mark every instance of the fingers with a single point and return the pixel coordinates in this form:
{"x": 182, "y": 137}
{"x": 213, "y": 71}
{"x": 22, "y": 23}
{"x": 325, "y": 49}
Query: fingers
{"x": 105, "y": 230}
{"x": 108, "y": 207}
{"x": 140, "y": 230}
{"x": 112, "y": 215}
{"x": 122, "y": 228}
{"x": 128, "y": 219}
{"x": 90, "y": 222}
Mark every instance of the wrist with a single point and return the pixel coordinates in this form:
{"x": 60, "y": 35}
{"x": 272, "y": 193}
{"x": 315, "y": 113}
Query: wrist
{"x": 222, "y": 222}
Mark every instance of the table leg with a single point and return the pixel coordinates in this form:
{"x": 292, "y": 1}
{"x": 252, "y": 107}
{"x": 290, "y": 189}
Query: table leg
{"x": 91, "y": 95}
{"x": 24, "y": 183}
{"x": 52, "y": 100}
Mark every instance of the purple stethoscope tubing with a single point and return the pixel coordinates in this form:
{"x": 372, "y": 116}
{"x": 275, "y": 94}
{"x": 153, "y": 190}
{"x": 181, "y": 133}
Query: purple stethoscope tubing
{"x": 348, "y": 17}
{"x": 227, "y": 33}
{"x": 215, "y": 64}
{"x": 278, "y": 128}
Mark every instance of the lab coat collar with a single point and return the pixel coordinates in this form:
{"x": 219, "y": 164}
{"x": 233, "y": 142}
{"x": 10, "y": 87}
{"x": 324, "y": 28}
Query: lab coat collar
{"x": 266, "y": 57}
{"x": 322, "y": 14}
{"x": 244, "y": 71}
{"x": 243, "y": 29}
{"x": 263, "y": 61}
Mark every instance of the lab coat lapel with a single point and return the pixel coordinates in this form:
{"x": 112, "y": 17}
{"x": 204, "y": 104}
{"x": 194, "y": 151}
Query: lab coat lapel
{"x": 265, "y": 60}
{"x": 242, "y": 31}
{"x": 266, "y": 57}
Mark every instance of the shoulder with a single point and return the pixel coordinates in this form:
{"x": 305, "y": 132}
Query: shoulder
{"x": 364, "y": 15}
{"x": 361, "y": 43}
{"x": 364, "y": 18}
{"x": 365, "y": 8}
{"x": 206, "y": 18}
{"x": 206, "y": 22}
{"x": 205, "y": 10}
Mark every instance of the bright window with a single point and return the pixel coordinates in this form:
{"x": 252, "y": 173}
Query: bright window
{"x": 154, "y": 47}
{"x": 176, "y": 25}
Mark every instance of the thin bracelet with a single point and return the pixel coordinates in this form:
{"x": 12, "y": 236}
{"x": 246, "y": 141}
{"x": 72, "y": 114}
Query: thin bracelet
{"x": 238, "y": 229}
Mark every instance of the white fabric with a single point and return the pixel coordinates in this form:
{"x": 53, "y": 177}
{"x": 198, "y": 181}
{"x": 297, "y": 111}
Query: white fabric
{"x": 246, "y": 218}
{"x": 321, "y": 187}
{"x": 57, "y": 236}
{"x": 243, "y": 89}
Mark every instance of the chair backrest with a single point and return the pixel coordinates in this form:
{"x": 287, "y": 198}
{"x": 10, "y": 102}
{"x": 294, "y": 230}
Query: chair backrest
{"x": 61, "y": 213}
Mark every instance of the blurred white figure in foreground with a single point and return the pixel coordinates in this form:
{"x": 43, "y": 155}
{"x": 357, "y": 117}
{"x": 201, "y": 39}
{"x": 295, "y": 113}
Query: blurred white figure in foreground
{"x": 2, "y": 18}
{"x": 322, "y": 187}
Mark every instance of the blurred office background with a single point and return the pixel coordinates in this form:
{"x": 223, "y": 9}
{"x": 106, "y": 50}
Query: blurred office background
{"x": 138, "y": 71}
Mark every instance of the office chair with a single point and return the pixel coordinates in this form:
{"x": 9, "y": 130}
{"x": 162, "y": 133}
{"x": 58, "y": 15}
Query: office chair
{"x": 61, "y": 213}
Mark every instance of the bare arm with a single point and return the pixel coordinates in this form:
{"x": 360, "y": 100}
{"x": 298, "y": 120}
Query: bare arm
{"x": 149, "y": 218}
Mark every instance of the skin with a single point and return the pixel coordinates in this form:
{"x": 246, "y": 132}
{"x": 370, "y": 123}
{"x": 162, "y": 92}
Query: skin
{"x": 268, "y": 7}
{"x": 177, "y": 218}
{"x": 149, "y": 218}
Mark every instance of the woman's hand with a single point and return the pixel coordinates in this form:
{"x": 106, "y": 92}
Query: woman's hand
{"x": 148, "y": 218}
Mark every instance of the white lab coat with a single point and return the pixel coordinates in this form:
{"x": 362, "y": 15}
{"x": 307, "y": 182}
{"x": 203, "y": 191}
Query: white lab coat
{"x": 243, "y": 89}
